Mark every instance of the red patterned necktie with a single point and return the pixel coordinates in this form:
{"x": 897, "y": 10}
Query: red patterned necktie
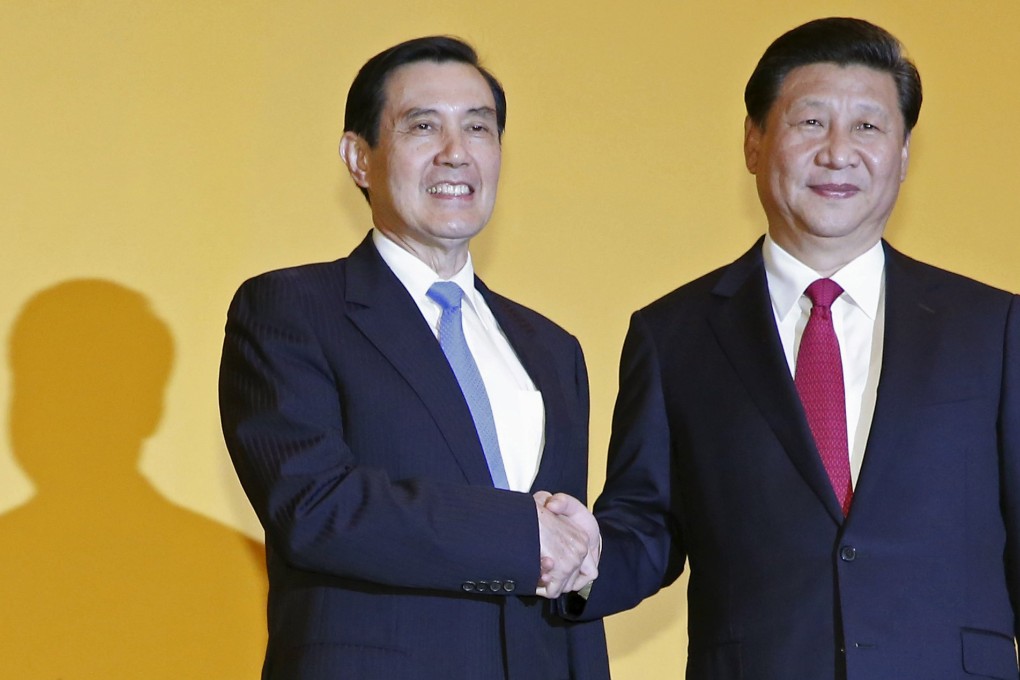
{"x": 819, "y": 381}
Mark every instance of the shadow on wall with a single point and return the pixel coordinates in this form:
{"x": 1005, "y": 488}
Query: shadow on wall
{"x": 101, "y": 577}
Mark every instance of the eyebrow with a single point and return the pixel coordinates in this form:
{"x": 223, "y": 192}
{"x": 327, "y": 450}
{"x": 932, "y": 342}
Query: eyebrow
{"x": 484, "y": 111}
{"x": 865, "y": 106}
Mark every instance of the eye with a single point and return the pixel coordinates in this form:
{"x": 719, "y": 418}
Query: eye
{"x": 809, "y": 124}
{"x": 422, "y": 127}
{"x": 479, "y": 130}
{"x": 868, "y": 127}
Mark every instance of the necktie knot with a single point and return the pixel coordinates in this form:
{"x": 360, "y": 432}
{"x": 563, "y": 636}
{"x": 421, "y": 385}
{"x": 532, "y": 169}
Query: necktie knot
{"x": 823, "y": 292}
{"x": 447, "y": 293}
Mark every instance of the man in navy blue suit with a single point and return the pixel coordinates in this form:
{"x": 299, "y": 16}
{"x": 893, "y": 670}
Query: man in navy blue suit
{"x": 837, "y": 462}
{"x": 392, "y": 420}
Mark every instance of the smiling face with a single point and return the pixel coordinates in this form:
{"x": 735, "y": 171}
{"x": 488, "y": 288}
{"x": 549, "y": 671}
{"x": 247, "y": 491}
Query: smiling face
{"x": 829, "y": 163}
{"x": 432, "y": 176}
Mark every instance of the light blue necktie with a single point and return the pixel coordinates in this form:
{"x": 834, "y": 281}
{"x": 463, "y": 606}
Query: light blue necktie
{"x": 451, "y": 338}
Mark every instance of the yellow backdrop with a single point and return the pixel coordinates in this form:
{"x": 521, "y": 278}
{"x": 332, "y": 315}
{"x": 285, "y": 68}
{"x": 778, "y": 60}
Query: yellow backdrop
{"x": 157, "y": 153}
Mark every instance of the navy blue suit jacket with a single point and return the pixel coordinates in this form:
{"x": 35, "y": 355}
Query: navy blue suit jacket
{"x": 390, "y": 554}
{"x": 711, "y": 460}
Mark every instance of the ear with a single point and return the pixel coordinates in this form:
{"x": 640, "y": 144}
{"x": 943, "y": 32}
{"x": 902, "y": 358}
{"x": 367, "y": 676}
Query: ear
{"x": 354, "y": 151}
{"x": 905, "y": 158}
{"x": 752, "y": 145}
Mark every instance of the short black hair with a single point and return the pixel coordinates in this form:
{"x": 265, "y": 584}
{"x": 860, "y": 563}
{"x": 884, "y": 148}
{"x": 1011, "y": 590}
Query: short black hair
{"x": 837, "y": 40}
{"x": 367, "y": 96}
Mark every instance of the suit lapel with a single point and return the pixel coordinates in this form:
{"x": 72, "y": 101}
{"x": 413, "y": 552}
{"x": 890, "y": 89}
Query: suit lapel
{"x": 906, "y": 365}
{"x": 538, "y": 363}
{"x": 381, "y": 308}
{"x": 745, "y": 328}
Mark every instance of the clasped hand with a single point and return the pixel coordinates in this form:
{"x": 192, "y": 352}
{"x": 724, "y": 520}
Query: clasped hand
{"x": 570, "y": 544}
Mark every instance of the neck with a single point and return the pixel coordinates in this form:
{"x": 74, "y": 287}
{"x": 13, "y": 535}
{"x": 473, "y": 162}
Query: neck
{"x": 825, "y": 255}
{"x": 445, "y": 258}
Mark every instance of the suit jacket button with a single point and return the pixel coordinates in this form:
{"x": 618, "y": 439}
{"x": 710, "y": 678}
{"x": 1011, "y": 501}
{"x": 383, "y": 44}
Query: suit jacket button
{"x": 495, "y": 586}
{"x": 468, "y": 586}
{"x": 509, "y": 586}
{"x": 848, "y": 553}
{"x": 483, "y": 587}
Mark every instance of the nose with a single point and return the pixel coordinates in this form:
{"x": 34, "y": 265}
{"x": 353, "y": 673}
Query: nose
{"x": 838, "y": 151}
{"x": 453, "y": 151}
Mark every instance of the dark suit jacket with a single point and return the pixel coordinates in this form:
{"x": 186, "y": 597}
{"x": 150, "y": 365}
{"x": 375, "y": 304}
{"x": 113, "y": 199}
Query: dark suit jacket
{"x": 711, "y": 460}
{"x": 390, "y": 554}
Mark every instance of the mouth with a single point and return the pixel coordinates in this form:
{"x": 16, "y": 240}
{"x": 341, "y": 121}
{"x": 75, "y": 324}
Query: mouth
{"x": 451, "y": 189}
{"x": 835, "y": 190}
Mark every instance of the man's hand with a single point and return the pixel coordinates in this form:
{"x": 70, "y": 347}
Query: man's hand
{"x": 569, "y": 543}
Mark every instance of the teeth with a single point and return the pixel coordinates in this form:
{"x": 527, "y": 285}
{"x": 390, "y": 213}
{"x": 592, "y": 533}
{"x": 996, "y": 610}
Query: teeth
{"x": 450, "y": 189}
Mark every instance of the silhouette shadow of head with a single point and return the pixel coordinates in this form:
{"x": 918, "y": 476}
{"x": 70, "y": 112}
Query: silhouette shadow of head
{"x": 90, "y": 362}
{"x": 106, "y": 577}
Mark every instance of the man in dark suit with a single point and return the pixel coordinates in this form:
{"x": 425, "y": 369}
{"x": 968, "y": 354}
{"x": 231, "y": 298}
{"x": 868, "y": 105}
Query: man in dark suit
{"x": 838, "y": 463}
{"x": 390, "y": 417}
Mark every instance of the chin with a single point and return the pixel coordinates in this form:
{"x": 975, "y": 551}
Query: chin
{"x": 461, "y": 229}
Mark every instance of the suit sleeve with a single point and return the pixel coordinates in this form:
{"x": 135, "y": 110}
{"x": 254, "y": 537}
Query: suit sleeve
{"x": 642, "y": 546}
{"x": 1009, "y": 443}
{"x": 323, "y": 511}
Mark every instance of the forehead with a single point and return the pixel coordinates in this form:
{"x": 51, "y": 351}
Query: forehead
{"x": 828, "y": 83}
{"x": 447, "y": 86}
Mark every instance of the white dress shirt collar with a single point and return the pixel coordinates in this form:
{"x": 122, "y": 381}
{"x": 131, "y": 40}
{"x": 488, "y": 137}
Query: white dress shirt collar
{"x": 860, "y": 279}
{"x": 417, "y": 276}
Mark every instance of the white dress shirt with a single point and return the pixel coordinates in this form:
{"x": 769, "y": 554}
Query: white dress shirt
{"x": 517, "y": 406}
{"x": 858, "y": 317}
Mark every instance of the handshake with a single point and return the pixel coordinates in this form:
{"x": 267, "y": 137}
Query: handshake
{"x": 569, "y": 543}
